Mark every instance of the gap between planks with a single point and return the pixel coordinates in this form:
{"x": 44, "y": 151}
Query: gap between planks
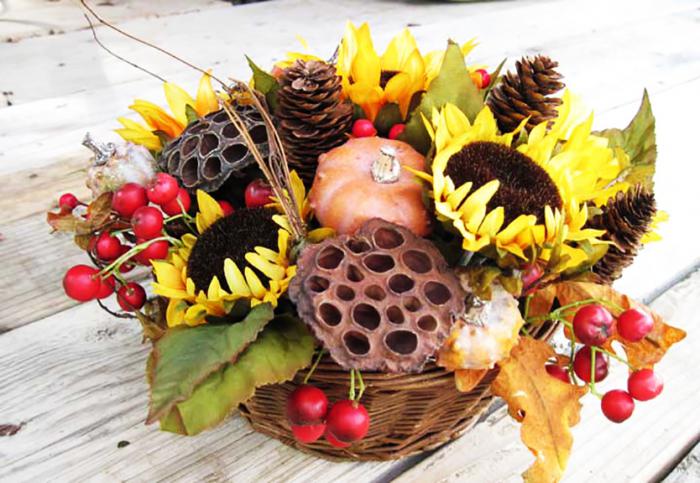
{"x": 76, "y": 382}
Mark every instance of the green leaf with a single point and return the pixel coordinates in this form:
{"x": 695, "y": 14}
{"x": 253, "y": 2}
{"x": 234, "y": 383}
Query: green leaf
{"x": 265, "y": 83}
{"x": 191, "y": 114}
{"x": 452, "y": 85}
{"x": 283, "y": 348}
{"x": 495, "y": 79}
{"x": 638, "y": 140}
{"x": 184, "y": 357}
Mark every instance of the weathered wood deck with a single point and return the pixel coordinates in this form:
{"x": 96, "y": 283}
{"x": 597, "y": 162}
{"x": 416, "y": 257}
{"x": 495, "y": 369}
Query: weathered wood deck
{"x": 72, "y": 377}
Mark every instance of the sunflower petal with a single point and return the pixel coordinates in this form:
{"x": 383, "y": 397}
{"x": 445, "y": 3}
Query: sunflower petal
{"x": 206, "y": 101}
{"x": 235, "y": 279}
{"x": 256, "y": 286}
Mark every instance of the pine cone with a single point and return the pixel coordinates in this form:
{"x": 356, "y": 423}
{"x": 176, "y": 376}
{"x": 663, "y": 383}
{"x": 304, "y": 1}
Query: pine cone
{"x": 382, "y": 299}
{"x": 625, "y": 218}
{"x": 211, "y": 149}
{"x": 526, "y": 94}
{"x": 313, "y": 119}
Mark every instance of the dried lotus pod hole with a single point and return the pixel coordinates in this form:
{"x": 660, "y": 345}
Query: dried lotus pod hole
{"x": 382, "y": 299}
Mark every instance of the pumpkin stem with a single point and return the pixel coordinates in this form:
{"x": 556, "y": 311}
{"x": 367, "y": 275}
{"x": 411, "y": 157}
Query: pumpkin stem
{"x": 386, "y": 168}
{"x": 102, "y": 151}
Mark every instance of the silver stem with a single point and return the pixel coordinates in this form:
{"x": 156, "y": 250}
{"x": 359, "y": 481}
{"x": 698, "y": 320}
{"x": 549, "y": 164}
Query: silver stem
{"x": 103, "y": 151}
{"x": 386, "y": 168}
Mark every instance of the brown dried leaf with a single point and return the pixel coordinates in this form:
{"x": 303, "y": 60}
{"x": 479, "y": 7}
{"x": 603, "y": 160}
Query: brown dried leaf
{"x": 546, "y": 407}
{"x": 468, "y": 379}
{"x": 644, "y": 353}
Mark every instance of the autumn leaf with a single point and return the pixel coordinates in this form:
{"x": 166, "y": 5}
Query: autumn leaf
{"x": 546, "y": 407}
{"x": 468, "y": 379}
{"x": 644, "y": 353}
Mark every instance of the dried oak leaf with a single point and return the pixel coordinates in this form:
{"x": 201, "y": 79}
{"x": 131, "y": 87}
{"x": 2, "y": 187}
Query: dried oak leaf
{"x": 98, "y": 215}
{"x": 468, "y": 379}
{"x": 644, "y": 353}
{"x": 546, "y": 407}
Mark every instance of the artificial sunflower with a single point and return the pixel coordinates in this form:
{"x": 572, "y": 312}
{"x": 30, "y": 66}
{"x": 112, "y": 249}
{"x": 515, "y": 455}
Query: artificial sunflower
{"x": 158, "y": 121}
{"x": 371, "y": 81}
{"x": 516, "y": 203}
{"x": 240, "y": 256}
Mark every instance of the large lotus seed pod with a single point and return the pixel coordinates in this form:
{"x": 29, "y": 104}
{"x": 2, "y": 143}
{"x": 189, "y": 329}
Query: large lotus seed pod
{"x": 382, "y": 299}
{"x": 211, "y": 149}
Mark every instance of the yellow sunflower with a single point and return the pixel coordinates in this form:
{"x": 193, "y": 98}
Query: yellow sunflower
{"x": 157, "y": 118}
{"x": 371, "y": 81}
{"x": 240, "y": 256}
{"x": 518, "y": 203}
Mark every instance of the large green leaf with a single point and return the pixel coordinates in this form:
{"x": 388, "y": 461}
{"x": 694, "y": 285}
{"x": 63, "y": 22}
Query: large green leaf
{"x": 452, "y": 85}
{"x": 638, "y": 140}
{"x": 184, "y": 357}
{"x": 283, "y": 348}
{"x": 265, "y": 83}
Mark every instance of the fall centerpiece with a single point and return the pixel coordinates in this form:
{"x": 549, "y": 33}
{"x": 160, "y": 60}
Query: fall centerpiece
{"x": 359, "y": 253}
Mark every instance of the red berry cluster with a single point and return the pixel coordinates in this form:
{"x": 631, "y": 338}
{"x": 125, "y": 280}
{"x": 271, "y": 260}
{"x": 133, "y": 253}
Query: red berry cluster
{"x": 593, "y": 325}
{"x": 363, "y": 128}
{"x": 347, "y": 421}
{"x": 137, "y": 235}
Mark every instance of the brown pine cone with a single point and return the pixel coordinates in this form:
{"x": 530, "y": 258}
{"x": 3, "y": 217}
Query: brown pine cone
{"x": 526, "y": 93}
{"x": 626, "y": 218}
{"x": 313, "y": 119}
{"x": 211, "y": 149}
{"x": 382, "y": 299}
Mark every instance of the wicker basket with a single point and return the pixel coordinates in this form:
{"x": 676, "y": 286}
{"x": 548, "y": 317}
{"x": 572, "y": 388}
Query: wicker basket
{"x": 410, "y": 413}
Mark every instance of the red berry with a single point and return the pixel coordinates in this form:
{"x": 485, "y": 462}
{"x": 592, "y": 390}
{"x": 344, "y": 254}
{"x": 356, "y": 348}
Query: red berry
{"x": 128, "y": 199}
{"x": 147, "y": 222}
{"x": 131, "y": 296}
{"x": 363, "y": 128}
{"x": 582, "y": 365}
{"x": 593, "y": 324}
{"x": 531, "y": 274}
{"x": 107, "y": 247}
{"x": 162, "y": 189}
{"x": 335, "y": 442}
{"x": 258, "y": 193}
{"x": 396, "y": 130}
{"x": 81, "y": 283}
{"x": 226, "y": 207}
{"x": 155, "y": 251}
{"x": 634, "y": 324}
{"x": 617, "y": 405}
{"x": 307, "y": 405}
{"x": 173, "y": 207}
{"x": 308, "y": 433}
{"x": 481, "y": 78}
{"x": 558, "y": 372}
{"x": 126, "y": 267}
{"x": 106, "y": 287}
{"x": 644, "y": 384}
{"x": 348, "y": 421}
{"x": 67, "y": 201}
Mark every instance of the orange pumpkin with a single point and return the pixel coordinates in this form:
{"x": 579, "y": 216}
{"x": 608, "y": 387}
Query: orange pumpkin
{"x": 364, "y": 179}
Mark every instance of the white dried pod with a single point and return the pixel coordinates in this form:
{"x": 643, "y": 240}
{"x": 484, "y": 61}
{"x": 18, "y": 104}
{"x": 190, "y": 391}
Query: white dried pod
{"x": 116, "y": 164}
{"x": 486, "y": 335}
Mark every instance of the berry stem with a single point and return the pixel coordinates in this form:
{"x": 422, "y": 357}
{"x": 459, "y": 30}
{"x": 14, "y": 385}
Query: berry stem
{"x": 121, "y": 315}
{"x": 591, "y": 384}
{"x": 314, "y": 366}
{"x": 615, "y": 356}
{"x": 526, "y": 311}
{"x": 133, "y": 251}
{"x": 352, "y": 385}
{"x": 362, "y": 385}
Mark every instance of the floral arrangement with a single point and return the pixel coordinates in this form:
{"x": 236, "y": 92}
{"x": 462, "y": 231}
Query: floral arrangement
{"x": 386, "y": 212}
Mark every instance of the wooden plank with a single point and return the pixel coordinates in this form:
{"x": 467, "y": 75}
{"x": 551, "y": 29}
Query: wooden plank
{"x": 75, "y": 382}
{"x": 688, "y": 470}
{"x": 56, "y": 146}
{"x": 640, "y": 449}
{"x": 20, "y": 19}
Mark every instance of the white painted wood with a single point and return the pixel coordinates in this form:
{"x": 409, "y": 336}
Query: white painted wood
{"x": 75, "y": 380}
{"x": 658, "y": 433}
{"x": 30, "y": 18}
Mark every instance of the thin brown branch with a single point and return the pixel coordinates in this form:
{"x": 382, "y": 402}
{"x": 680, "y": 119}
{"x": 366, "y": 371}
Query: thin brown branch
{"x": 146, "y": 43}
{"x": 109, "y": 51}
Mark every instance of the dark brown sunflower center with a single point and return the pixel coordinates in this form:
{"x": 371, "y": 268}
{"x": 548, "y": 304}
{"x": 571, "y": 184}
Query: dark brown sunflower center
{"x": 525, "y": 188}
{"x": 230, "y": 237}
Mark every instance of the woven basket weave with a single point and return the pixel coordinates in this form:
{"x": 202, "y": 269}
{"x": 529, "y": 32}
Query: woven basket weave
{"x": 409, "y": 413}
